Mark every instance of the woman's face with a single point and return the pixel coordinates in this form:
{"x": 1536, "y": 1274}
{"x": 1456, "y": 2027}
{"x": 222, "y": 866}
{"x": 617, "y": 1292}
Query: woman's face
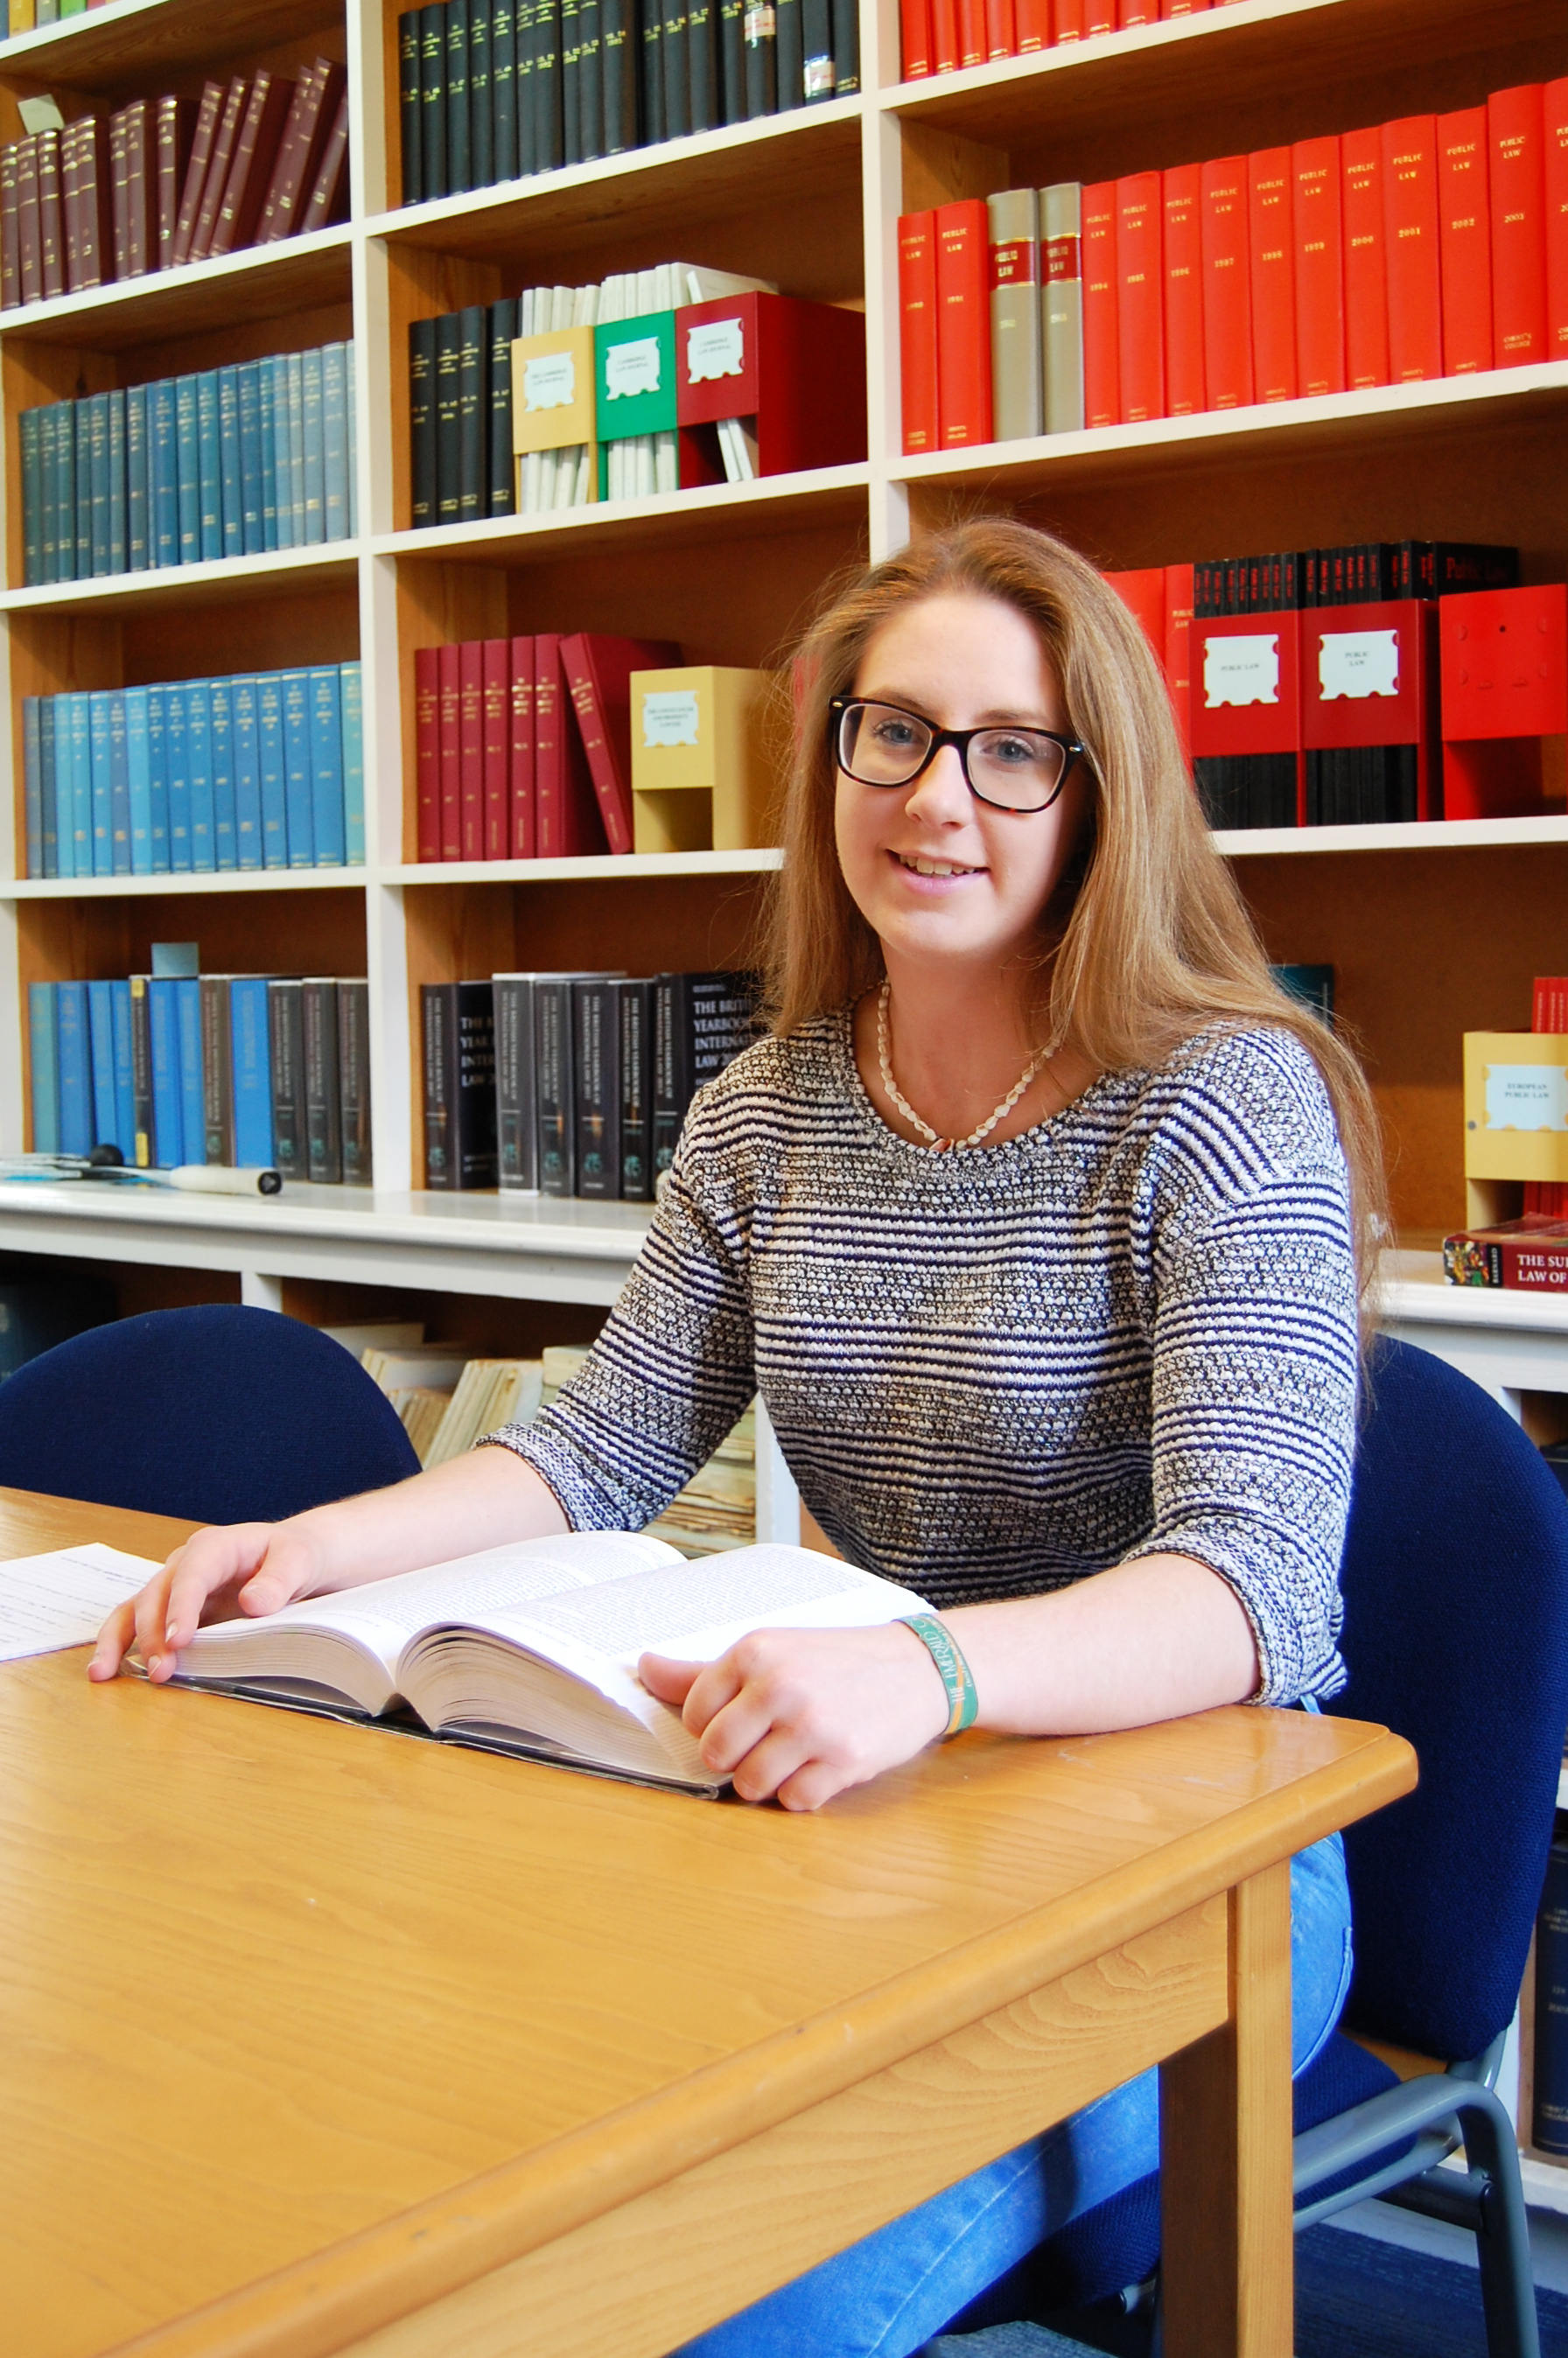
{"x": 935, "y": 873}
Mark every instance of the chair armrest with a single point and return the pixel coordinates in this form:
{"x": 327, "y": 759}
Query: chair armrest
{"x": 1434, "y": 2104}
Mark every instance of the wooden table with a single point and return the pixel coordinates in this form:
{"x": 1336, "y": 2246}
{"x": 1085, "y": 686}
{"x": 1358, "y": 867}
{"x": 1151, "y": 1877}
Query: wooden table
{"x": 320, "y": 2038}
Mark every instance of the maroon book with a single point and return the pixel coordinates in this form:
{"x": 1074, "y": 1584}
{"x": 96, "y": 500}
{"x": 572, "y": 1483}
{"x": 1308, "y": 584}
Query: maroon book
{"x": 139, "y": 176}
{"x": 598, "y": 668}
{"x": 173, "y": 134}
{"x": 522, "y": 753}
{"x": 329, "y": 197}
{"x": 94, "y": 207}
{"x": 120, "y": 215}
{"x": 261, "y": 129}
{"x": 200, "y": 157}
{"x": 10, "y": 231}
{"x": 51, "y": 219}
{"x": 294, "y": 175}
{"x": 224, "y": 143}
{"x": 27, "y": 215}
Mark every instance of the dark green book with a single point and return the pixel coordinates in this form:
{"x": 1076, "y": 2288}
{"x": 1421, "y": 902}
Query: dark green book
{"x": 504, "y": 90}
{"x": 732, "y": 60}
{"x": 502, "y": 466}
{"x": 449, "y": 341}
{"x": 524, "y": 37}
{"x": 473, "y": 457}
{"x": 323, "y": 1105}
{"x": 410, "y": 110}
{"x": 677, "y": 72}
{"x": 119, "y": 561}
{"x": 595, "y": 1075}
{"x": 790, "y": 34}
{"x": 138, "y": 544}
{"x": 702, "y": 64}
{"x": 433, "y": 97}
{"x": 187, "y": 460}
{"x": 81, "y": 424}
{"x": 571, "y": 81}
{"x": 98, "y": 469}
{"x": 634, "y": 1002}
{"x": 459, "y": 147}
{"x": 817, "y": 48}
{"x": 846, "y": 47}
{"x": 621, "y": 52}
{"x": 482, "y": 124}
{"x": 759, "y": 31}
{"x": 651, "y": 30}
{"x": 30, "y": 433}
{"x": 590, "y": 80}
{"x": 353, "y": 1082}
{"x": 549, "y": 150}
{"x": 422, "y": 422}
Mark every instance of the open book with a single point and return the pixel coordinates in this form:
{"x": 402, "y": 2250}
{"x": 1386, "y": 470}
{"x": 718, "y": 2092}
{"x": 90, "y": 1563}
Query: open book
{"x": 532, "y": 1648}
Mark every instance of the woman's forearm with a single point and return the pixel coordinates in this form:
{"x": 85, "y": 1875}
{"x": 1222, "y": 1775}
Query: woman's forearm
{"x": 478, "y": 1501}
{"x": 1143, "y": 1641}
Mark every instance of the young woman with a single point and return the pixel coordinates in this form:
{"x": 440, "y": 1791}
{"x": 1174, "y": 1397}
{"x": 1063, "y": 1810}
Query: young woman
{"x": 1037, "y": 1222}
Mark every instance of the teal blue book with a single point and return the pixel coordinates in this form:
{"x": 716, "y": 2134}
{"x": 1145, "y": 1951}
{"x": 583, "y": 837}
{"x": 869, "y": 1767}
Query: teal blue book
{"x": 44, "y": 430}
{"x": 293, "y": 375}
{"x": 103, "y": 776}
{"x": 297, "y": 768}
{"x": 124, "y": 1072}
{"x": 98, "y": 471}
{"x": 313, "y": 445}
{"x": 282, "y": 471}
{"x": 101, "y": 1026}
{"x": 80, "y": 705}
{"x": 43, "y": 1048}
{"x": 247, "y": 758}
{"x": 353, "y": 446}
{"x": 266, "y": 404}
{"x": 119, "y": 787}
{"x": 138, "y": 547}
{"x": 270, "y": 769}
{"x": 231, "y": 502}
{"x": 187, "y": 449}
{"x": 158, "y": 781}
{"x": 199, "y": 771}
{"x": 139, "y": 782}
{"x": 253, "y": 536}
{"x": 250, "y": 1053}
{"x": 209, "y": 465}
{"x": 353, "y": 764}
{"x": 33, "y": 782}
{"x": 335, "y": 440}
{"x": 163, "y": 1029}
{"x": 224, "y": 831}
{"x": 29, "y": 426}
{"x": 163, "y": 473}
{"x": 192, "y": 1102}
{"x": 75, "y": 1068}
{"x": 48, "y": 766}
{"x": 177, "y": 771}
{"x": 80, "y": 429}
{"x": 327, "y": 765}
{"x": 115, "y": 405}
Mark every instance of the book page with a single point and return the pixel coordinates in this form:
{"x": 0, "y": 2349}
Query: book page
{"x": 47, "y": 1602}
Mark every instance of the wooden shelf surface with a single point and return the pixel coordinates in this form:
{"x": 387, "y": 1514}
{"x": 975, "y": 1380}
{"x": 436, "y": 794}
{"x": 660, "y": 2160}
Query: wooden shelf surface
{"x": 774, "y": 505}
{"x": 131, "y": 38}
{"x": 228, "y": 580}
{"x": 261, "y": 282}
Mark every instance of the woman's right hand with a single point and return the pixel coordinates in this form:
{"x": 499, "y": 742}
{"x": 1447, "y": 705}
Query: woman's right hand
{"x": 226, "y": 1569}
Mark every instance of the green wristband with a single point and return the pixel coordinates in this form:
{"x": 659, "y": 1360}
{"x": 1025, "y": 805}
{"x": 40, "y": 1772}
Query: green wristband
{"x": 963, "y": 1703}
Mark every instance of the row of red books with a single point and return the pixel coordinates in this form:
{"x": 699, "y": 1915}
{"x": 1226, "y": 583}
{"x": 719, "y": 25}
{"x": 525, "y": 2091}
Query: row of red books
{"x": 941, "y": 36}
{"x": 523, "y": 746}
{"x": 161, "y": 183}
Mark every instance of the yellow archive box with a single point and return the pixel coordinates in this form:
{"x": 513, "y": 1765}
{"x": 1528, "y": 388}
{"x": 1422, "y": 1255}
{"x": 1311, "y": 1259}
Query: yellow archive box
{"x": 701, "y": 779}
{"x": 1516, "y": 1105}
{"x": 552, "y": 396}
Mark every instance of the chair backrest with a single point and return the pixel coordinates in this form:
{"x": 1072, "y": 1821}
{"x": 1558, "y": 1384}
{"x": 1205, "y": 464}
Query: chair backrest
{"x": 220, "y": 1414}
{"x": 1455, "y": 1583}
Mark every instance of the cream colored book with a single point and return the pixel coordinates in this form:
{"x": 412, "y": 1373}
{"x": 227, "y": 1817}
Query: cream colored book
{"x": 532, "y": 1648}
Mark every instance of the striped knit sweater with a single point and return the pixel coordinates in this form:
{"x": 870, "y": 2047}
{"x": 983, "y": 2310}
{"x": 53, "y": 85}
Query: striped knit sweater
{"x": 994, "y": 1372}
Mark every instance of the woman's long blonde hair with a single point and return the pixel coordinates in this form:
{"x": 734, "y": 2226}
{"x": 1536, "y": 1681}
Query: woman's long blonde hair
{"x": 1147, "y": 940}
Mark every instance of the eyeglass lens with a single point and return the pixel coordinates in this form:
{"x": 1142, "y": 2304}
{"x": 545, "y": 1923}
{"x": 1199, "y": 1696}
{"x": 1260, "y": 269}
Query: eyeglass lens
{"x": 1014, "y": 768}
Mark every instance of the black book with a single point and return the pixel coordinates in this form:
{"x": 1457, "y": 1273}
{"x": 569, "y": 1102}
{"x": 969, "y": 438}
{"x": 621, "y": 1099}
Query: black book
{"x": 516, "y": 1129}
{"x": 817, "y": 49}
{"x": 677, "y": 71}
{"x": 571, "y": 81}
{"x": 1548, "y": 2121}
{"x": 323, "y": 1110}
{"x": 620, "y": 58}
{"x": 590, "y": 80}
{"x": 502, "y": 466}
{"x": 635, "y": 1004}
{"x": 422, "y": 420}
{"x": 524, "y": 40}
{"x": 702, "y": 62}
{"x": 732, "y": 60}
{"x": 286, "y": 1035}
{"x": 549, "y": 149}
{"x": 701, "y": 1023}
{"x": 217, "y": 1074}
{"x": 353, "y": 1081}
{"x": 596, "y": 1069}
{"x": 458, "y": 1031}
{"x": 846, "y": 47}
{"x": 449, "y": 346}
{"x": 790, "y": 35}
{"x": 474, "y": 455}
{"x": 410, "y": 107}
{"x": 482, "y": 123}
{"x": 141, "y": 1072}
{"x": 459, "y": 154}
{"x": 433, "y": 97}
{"x": 651, "y": 43}
{"x": 504, "y": 90}
{"x": 554, "y": 1086}
{"x": 759, "y": 26}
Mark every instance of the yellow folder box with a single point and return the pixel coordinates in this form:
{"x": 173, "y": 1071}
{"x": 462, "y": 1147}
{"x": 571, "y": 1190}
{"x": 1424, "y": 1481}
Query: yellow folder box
{"x": 1516, "y": 1105}
{"x": 700, "y": 778}
{"x": 552, "y": 392}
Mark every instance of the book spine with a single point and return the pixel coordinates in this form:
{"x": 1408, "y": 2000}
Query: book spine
{"x": 1366, "y": 251}
{"x": 101, "y": 1038}
{"x": 449, "y": 680}
{"x": 30, "y": 250}
{"x": 352, "y": 693}
{"x": 138, "y": 548}
{"x": 634, "y": 1002}
{"x": 297, "y": 768}
{"x": 481, "y": 119}
{"x": 273, "y": 766}
{"x": 963, "y": 337}
{"x": 218, "y": 160}
{"x": 470, "y": 750}
{"x": 51, "y": 221}
{"x": 409, "y": 108}
{"x": 89, "y": 479}
{"x": 433, "y": 99}
{"x": 256, "y": 149}
{"x": 437, "y": 1030}
{"x": 323, "y": 1111}
{"x": 549, "y": 720}
{"x": 521, "y": 772}
{"x": 208, "y": 467}
{"x": 590, "y": 84}
{"x": 816, "y": 69}
{"x": 70, "y": 197}
{"x": 426, "y": 753}
{"x": 199, "y": 771}
{"x": 503, "y": 470}
{"x": 790, "y": 54}
{"x": 119, "y": 787}
{"x": 422, "y": 421}
{"x": 313, "y": 450}
{"x": 217, "y": 1071}
{"x": 554, "y": 1084}
{"x": 671, "y": 1067}
{"x": 75, "y": 1068}
{"x": 120, "y": 197}
{"x": 448, "y": 445}
{"x": 50, "y": 751}
{"x": 245, "y": 758}
{"x": 516, "y": 1139}
{"x": 1318, "y": 233}
{"x": 1270, "y": 239}
{"x": 595, "y": 1075}
{"x": 336, "y": 460}
{"x": 188, "y": 461}
{"x": 43, "y": 1056}
{"x": 504, "y": 90}
{"x": 30, "y": 438}
{"x": 1182, "y": 198}
{"x": 1411, "y": 241}
{"x": 473, "y": 457}
{"x": 328, "y": 194}
{"x": 1102, "y": 359}
{"x": 280, "y": 205}
{"x": 142, "y": 1107}
{"x": 732, "y": 62}
{"x": 759, "y": 27}
{"x": 1013, "y": 231}
{"x": 102, "y": 485}
{"x": 1554, "y": 120}
{"x": 250, "y": 1068}
{"x": 294, "y": 378}
{"x": 169, "y": 125}
{"x": 1464, "y": 241}
{"x": 167, "y": 1111}
{"x": 10, "y": 231}
{"x": 1140, "y": 282}
{"x": 917, "y": 332}
{"x": 286, "y": 1050}
{"x": 325, "y": 691}
{"x": 353, "y": 1082}
{"x": 103, "y": 862}
{"x": 163, "y": 474}
{"x": 496, "y": 730}
{"x": 1227, "y": 298}
{"x": 141, "y": 183}
{"x": 33, "y": 783}
{"x": 1516, "y": 127}
{"x": 548, "y": 112}
{"x": 139, "y": 779}
{"x": 122, "y": 1057}
{"x": 159, "y": 851}
{"x": 914, "y": 39}
{"x": 458, "y": 160}
{"x": 231, "y": 479}
{"x": 612, "y": 790}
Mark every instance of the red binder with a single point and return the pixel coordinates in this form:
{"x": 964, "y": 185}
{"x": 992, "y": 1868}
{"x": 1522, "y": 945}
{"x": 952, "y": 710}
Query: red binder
{"x": 1227, "y": 288}
{"x": 1465, "y": 241}
{"x": 450, "y": 744}
{"x": 1143, "y": 594}
{"x": 914, "y": 27}
{"x": 427, "y": 754}
{"x": 1365, "y": 278}
{"x": 1102, "y": 368}
{"x": 917, "y": 332}
{"x": 1369, "y": 677}
{"x": 567, "y": 815}
{"x": 963, "y": 324}
{"x": 496, "y": 724}
{"x": 1246, "y": 685}
{"x": 1555, "y": 115}
{"x": 1140, "y": 276}
{"x": 1517, "y": 123}
{"x": 1184, "y": 290}
{"x": 1505, "y": 686}
{"x": 1319, "y": 267}
{"x": 522, "y": 748}
{"x": 795, "y": 371}
{"x": 1270, "y": 174}
{"x": 1410, "y": 230}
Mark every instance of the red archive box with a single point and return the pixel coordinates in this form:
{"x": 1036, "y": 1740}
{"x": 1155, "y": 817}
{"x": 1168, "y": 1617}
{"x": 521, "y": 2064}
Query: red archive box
{"x": 1245, "y": 684}
{"x": 1505, "y": 686}
{"x": 794, "y": 371}
{"x": 1369, "y": 677}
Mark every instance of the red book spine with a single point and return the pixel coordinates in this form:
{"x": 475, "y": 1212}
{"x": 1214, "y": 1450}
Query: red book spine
{"x": 1067, "y": 22}
{"x": 1140, "y": 282}
{"x": 1001, "y": 29}
{"x": 450, "y": 744}
{"x": 331, "y": 175}
{"x": 1184, "y": 290}
{"x": 1409, "y": 229}
{"x": 10, "y": 228}
{"x": 1227, "y": 285}
{"x": 120, "y": 186}
{"x": 1169, "y": 8}
{"x": 944, "y": 36}
{"x": 1130, "y": 14}
{"x": 1178, "y": 648}
{"x": 1516, "y": 120}
{"x": 51, "y": 217}
{"x": 614, "y": 796}
{"x": 1270, "y": 239}
{"x": 1032, "y": 19}
{"x": 471, "y": 748}
{"x": 524, "y": 842}
{"x": 963, "y": 324}
{"x": 224, "y": 143}
{"x": 496, "y": 727}
{"x": 917, "y": 332}
{"x": 914, "y": 27}
{"x": 195, "y": 170}
{"x": 971, "y": 32}
{"x": 1102, "y": 361}
{"x": 1464, "y": 241}
{"x": 1099, "y": 16}
{"x": 548, "y": 784}
{"x": 1143, "y": 594}
{"x": 1366, "y": 277}
{"x": 1554, "y": 112}
{"x": 1319, "y": 267}
{"x": 172, "y": 124}
{"x": 427, "y": 754}
{"x": 138, "y": 128}
{"x": 27, "y": 215}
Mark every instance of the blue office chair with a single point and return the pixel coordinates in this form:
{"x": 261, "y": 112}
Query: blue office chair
{"x": 1455, "y": 1586}
{"x": 217, "y": 1414}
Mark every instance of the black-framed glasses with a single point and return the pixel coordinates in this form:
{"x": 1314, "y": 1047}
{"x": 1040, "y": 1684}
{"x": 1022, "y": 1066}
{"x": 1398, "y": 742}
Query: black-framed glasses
{"x": 1011, "y": 769}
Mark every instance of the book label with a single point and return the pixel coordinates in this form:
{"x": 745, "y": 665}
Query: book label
{"x": 671, "y": 717}
{"x": 1060, "y": 258}
{"x": 714, "y": 348}
{"x": 1013, "y": 265}
{"x": 549, "y": 381}
{"x": 1527, "y": 1096}
{"x": 1358, "y": 663}
{"x": 1240, "y": 671}
{"x": 631, "y": 368}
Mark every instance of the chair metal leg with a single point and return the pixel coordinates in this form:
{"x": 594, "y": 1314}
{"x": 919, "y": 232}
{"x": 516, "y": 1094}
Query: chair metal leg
{"x": 1502, "y": 2237}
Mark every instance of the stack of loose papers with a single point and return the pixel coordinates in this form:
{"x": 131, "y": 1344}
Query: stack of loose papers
{"x": 47, "y": 1602}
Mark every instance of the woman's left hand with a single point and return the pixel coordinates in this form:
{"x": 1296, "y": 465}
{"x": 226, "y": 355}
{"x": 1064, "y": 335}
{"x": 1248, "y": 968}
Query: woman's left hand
{"x": 798, "y": 1715}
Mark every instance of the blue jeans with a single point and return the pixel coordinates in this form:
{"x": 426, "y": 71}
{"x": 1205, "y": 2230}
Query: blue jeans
{"x": 883, "y": 2297}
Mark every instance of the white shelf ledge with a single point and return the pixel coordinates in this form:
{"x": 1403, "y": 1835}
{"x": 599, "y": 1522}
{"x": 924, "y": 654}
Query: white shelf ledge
{"x": 136, "y": 888}
{"x": 1419, "y": 835}
{"x": 774, "y": 504}
{"x": 1416, "y": 1293}
{"x": 222, "y": 580}
{"x": 595, "y": 866}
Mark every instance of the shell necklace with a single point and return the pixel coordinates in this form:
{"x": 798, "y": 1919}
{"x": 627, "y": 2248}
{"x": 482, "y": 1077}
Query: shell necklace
{"x": 947, "y": 1145}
